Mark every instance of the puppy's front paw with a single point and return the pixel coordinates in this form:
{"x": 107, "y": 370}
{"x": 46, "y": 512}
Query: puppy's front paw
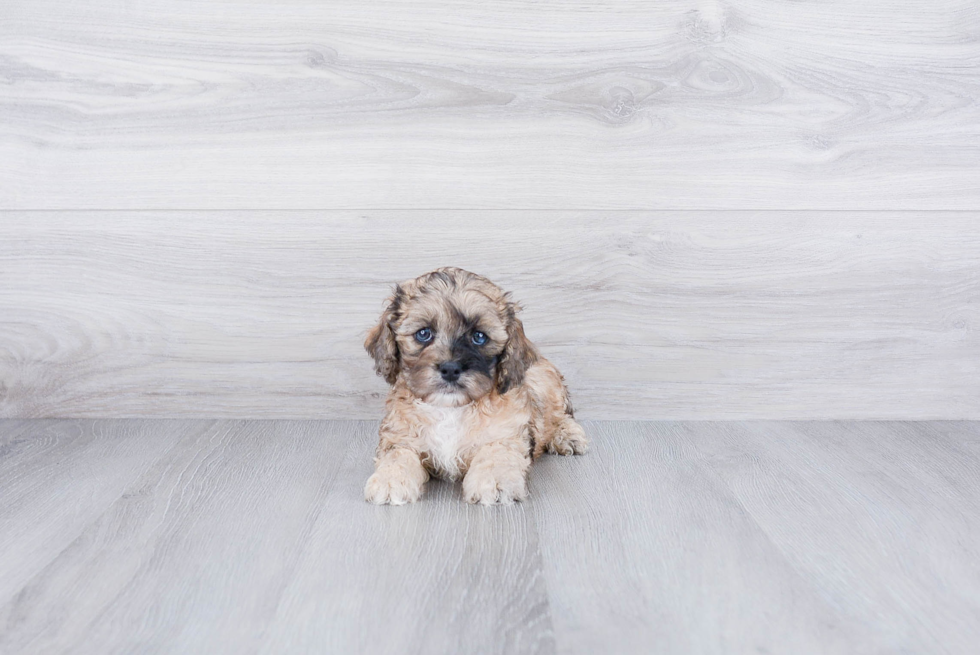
{"x": 386, "y": 488}
{"x": 488, "y": 486}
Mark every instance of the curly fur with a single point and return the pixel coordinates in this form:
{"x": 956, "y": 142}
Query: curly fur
{"x": 508, "y": 405}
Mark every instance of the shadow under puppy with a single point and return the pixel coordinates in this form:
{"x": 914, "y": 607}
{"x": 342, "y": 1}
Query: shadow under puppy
{"x": 470, "y": 395}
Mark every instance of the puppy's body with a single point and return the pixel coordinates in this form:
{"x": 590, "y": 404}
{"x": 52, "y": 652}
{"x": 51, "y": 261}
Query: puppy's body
{"x": 470, "y": 395}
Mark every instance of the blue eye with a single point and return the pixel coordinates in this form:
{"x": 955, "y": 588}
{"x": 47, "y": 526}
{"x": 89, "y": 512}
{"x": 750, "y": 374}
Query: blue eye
{"x": 479, "y": 338}
{"x": 424, "y": 335}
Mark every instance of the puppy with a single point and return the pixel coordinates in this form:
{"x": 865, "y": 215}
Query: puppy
{"x": 470, "y": 396}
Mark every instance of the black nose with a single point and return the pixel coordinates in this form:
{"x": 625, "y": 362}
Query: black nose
{"x": 450, "y": 371}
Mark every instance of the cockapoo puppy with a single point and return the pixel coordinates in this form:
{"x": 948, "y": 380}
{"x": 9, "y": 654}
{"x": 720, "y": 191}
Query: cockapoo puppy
{"x": 470, "y": 396}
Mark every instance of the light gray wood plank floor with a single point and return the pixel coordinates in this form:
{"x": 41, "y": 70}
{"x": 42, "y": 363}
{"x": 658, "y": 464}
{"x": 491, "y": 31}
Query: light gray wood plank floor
{"x": 194, "y": 536}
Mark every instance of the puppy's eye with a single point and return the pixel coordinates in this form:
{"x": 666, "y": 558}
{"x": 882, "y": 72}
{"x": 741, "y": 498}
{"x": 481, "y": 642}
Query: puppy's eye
{"x": 479, "y": 338}
{"x": 424, "y": 335}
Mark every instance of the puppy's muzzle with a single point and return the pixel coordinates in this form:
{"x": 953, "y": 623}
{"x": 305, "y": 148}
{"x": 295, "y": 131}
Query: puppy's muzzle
{"x": 450, "y": 371}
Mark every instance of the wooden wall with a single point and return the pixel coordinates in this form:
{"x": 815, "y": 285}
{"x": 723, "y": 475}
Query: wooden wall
{"x": 711, "y": 209}
{"x": 649, "y": 314}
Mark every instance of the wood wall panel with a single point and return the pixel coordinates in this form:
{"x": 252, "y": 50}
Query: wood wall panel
{"x": 674, "y": 104}
{"x": 650, "y": 315}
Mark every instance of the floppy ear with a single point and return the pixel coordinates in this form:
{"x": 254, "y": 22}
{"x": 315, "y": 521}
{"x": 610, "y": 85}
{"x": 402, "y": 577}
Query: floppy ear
{"x": 380, "y": 342}
{"x": 518, "y": 354}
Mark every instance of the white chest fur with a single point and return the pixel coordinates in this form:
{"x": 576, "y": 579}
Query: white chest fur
{"x": 443, "y": 436}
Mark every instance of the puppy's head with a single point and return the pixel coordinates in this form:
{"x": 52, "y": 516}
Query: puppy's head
{"x": 452, "y": 336}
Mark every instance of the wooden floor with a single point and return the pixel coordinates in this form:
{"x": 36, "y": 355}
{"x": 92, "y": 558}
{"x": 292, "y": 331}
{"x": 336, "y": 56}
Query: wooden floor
{"x": 202, "y": 536}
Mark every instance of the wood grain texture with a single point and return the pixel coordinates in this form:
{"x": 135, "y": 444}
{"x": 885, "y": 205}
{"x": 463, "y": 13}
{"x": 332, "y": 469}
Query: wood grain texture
{"x": 783, "y": 537}
{"x": 668, "y": 537}
{"x": 192, "y": 554}
{"x": 720, "y": 315}
{"x": 706, "y": 104}
{"x": 879, "y": 516}
{"x": 56, "y": 477}
{"x": 440, "y": 577}
{"x": 653, "y": 554}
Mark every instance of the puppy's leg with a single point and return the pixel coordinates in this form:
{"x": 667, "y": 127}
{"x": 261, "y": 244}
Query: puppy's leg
{"x": 569, "y": 438}
{"x": 399, "y": 478}
{"x": 557, "y": 430}
{"x": 498, "y": 473}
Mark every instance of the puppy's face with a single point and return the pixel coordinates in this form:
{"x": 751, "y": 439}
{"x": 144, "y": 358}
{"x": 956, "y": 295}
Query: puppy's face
{"x": 452, "y": 337}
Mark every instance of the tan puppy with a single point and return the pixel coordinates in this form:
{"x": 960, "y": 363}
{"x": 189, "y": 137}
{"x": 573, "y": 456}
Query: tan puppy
{"x": 470, "y": 395}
